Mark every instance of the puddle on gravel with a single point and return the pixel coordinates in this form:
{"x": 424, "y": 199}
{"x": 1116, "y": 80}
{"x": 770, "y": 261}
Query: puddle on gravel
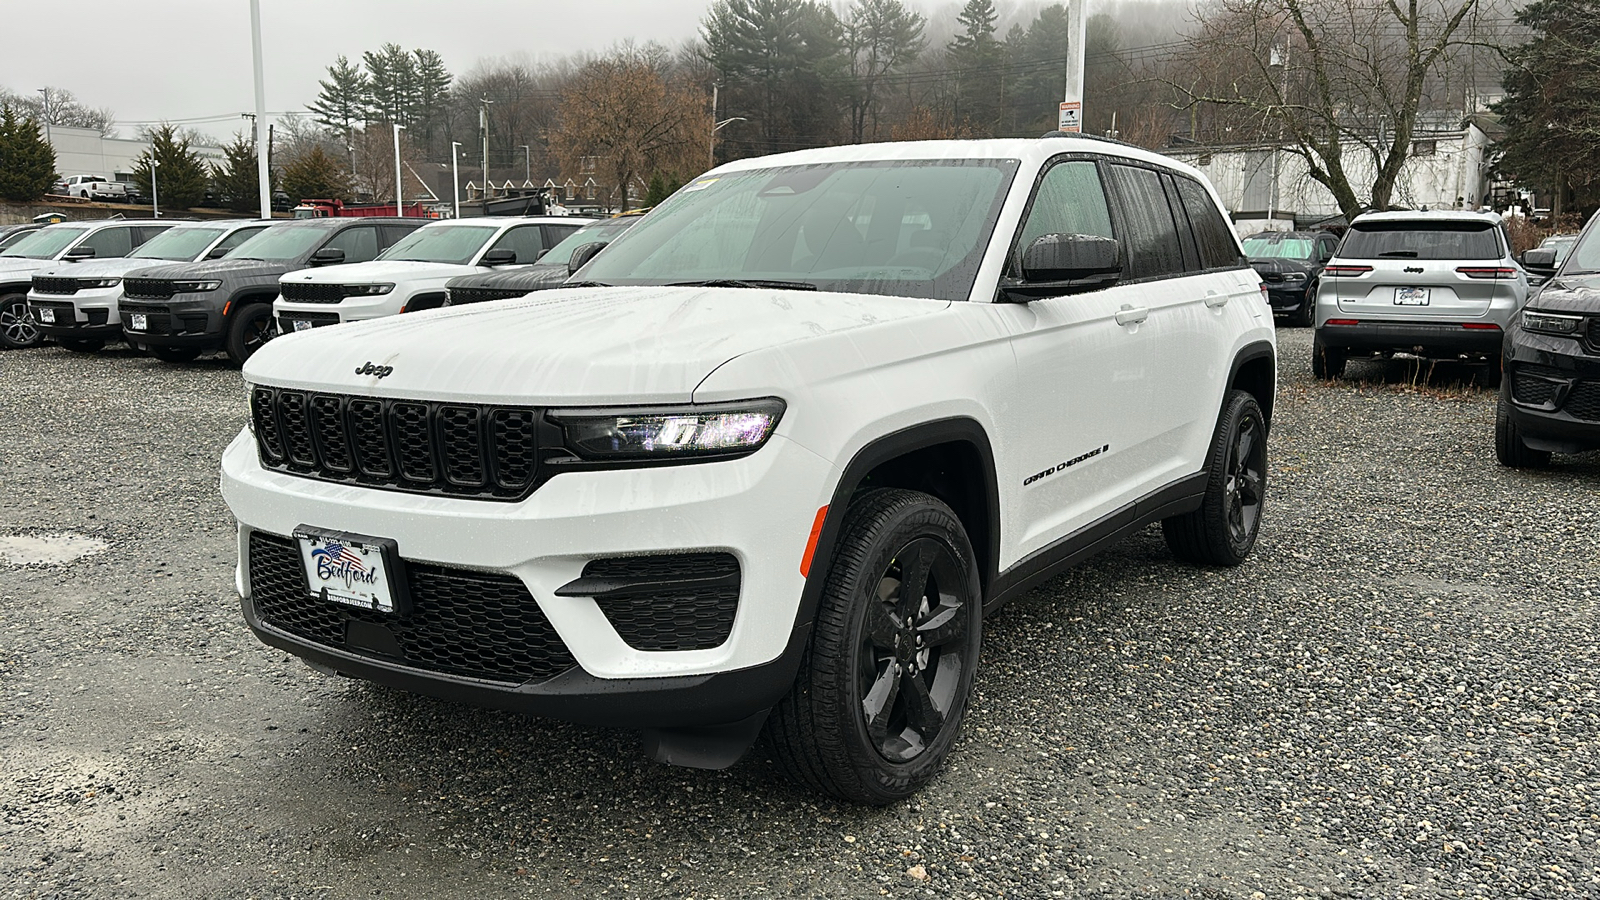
{"x": 52, "y": 549}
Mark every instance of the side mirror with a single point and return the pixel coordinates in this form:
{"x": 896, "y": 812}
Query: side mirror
{"x": 79, "y": 254}
{"x": 582, "y": 255}
{"x": 327, "y": 256}
{"x": 501, "y": 257}
{"x": 1540, "y": 259}
{"x": 218, "y": 252}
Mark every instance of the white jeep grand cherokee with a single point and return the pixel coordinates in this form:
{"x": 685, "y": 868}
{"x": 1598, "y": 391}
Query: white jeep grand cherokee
{"x": 772, "y": 458}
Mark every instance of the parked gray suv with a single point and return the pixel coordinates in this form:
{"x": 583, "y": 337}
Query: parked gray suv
{"x": 1441, "y": 285}
{"x": 179, "y": 311}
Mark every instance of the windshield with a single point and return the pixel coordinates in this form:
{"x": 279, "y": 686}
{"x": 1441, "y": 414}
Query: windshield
{"x": 279, "y": 242}
{"x": 1259, "y": 247}
{"x": 44, "y": 243}
{"x": 1583, "y": 258}
{"x": 598, "y": 233}
{"x": 1562, "y": 246}
{"x": 177, "y": 244}
{"x": 915, "y": 228}
{"x": 13, "y": 238}
{"x": 1421, "y": 240}
{"x": 453, "y": 244}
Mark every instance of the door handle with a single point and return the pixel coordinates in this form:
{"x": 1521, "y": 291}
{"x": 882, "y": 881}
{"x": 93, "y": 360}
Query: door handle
{"x": 1215, "y": 300}
{"x": 1132, "y": 315}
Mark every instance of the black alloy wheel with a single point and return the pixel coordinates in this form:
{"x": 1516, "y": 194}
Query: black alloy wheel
{"x": 889, "y": 667}
{"x": 1223, "y": 531}
{"x": 17, "y": 328}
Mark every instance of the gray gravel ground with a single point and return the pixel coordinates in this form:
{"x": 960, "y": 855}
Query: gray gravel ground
{"x": 1396, "y": 697}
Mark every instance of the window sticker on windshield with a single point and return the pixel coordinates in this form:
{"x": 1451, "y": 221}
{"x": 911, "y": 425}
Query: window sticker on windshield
{"x": 701, "y": 185}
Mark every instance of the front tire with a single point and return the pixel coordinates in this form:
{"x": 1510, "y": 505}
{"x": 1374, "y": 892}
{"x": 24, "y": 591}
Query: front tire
{"x": 1327, "y": 362}
{"x": 17, "y": 329}
{"x": 1223, "y": 530}
{"x": 1306, "y": 311}
{"x": 1508, "y": 446}
{"x": 881, "y": 691}
{"x": 249, "y": 331}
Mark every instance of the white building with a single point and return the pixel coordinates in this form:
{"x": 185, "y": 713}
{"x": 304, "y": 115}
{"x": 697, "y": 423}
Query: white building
{"x": 1446, "y": 169}
{"x": 82, "y": 151}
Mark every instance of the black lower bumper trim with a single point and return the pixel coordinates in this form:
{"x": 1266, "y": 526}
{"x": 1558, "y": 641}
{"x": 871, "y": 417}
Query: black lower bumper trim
{"x": 101, "y": 332}
{"x": 1429, "y": 340}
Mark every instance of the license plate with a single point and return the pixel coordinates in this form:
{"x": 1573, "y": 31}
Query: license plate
{"x": 47, "y": 315}
{"x": 301, "y": 325}
{"x": 1411, "y": 296}
{"x": 351, "y": 569}
{"x": 137, "y": 322}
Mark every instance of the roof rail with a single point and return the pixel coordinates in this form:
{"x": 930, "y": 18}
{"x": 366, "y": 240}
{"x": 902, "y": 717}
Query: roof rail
{"x": 1090, "y": 137}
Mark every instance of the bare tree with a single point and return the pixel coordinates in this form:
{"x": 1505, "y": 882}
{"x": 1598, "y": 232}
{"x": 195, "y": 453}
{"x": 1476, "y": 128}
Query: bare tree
{"x": 58, "y": 106}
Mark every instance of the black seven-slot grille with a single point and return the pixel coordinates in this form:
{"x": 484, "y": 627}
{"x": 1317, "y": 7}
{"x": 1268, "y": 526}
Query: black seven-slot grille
{"x": 147, "y": 288}
{"x": 47, "y": 285}
{"x": 463, "y": 296}
{"x": 305, "y": 292}
{"x": 466, "y": 450}
{"x": 675, "y": 601}
{"x": 462, "y": 622}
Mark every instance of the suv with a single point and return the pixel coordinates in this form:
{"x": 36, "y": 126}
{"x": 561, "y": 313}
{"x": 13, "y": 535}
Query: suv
{"x": 552, "y": 269}
{"x": 77, "y": 304}
{"x": 1550, "y": 397}
{"x": 411, "y": 275}
{"x": 810, "y": 419}
{"x": 1289, "y": 263}
{"x": 43, "y": 249}
{"x": 1437, "y": 284}
{"x": 179, "y": 311}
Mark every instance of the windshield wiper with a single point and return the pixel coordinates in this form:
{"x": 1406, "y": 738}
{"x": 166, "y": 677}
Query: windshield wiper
{"x": 1406, "y": 254}
{"x": 585, "y": 284}
{"x": 750, "y": 283}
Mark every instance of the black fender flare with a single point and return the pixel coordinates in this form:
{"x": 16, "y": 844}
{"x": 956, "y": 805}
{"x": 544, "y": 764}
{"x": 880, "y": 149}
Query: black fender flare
{"x": 1250, "y": 353}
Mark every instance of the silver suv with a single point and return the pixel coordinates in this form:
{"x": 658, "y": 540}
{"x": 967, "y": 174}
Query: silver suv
{"x": 1441, "y": 285}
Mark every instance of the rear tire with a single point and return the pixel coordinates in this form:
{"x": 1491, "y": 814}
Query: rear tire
{"x": 882, "y": 688}
{"x": 175, "y": 354}
{"x": 82, "y": 345}
{"x": 1223, "y": 530}
{"x": 1327, "y": 362}
{"x": 17, "y": 329}
{"x": 249, "y": 331}
{"x": 1508, "y": 446}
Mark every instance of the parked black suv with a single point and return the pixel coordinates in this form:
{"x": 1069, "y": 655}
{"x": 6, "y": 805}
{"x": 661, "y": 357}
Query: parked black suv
{"x": 1289, "y": 263}
{"x": 1550, "y": 395}
{"x": 179, "y": 311}
{"x": 550, "y": 271}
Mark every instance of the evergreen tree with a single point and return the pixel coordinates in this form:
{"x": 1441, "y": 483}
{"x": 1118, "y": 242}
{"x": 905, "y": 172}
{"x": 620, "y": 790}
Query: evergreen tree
{"x": 392, "y": 75}
{"x": 27, "y": 161}
{"x": 314, "y": 174}
{"x": 976, "y": 56}
{"x": 344, "y": 101}
{"x": 881, "y": 38}
{"x": 181, "y": 177}
{"x": 775, "y": 59}
{"x": 432, "y": 94}
{"x": 1551, "y": 105}
{"x": 235, "y": 178}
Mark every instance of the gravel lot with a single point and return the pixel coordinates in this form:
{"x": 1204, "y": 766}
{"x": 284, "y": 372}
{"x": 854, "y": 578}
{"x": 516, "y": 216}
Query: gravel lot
{"x": 1396, "y": 697}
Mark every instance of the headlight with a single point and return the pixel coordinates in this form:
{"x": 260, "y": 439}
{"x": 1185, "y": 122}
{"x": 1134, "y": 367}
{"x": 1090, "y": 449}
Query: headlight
{"x": 195, "y": 287}
{"x": 667, "y": 433}
{"x": 1294, "y": 277}
{"x": 99, "y": 282}
{"x": 1548, "y": 323}
{"x": 367, "y": 290}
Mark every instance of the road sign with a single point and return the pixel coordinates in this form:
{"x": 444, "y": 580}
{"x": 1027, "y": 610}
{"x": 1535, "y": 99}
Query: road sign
{"x": 1071, "y": 116}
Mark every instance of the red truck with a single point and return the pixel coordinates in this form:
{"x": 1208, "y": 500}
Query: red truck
{"x": 322, "y": 209}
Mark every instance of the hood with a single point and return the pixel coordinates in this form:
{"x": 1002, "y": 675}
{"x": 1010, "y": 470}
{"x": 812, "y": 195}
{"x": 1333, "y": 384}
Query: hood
{"x": 101, "y": 268}
{"x": 380, "y": 270}
{"x": 219, "y": 268}
{"x": 524, "y": 278}
{"x": 568, "y": 347}
{"x": 1569, "y": 293}
{"x": 21, "y": 265}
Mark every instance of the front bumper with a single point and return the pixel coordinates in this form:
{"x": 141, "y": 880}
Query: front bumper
{"x": 1441, "y": 340}
{"x": 1552, "y": 391}
{"x": 184, "y": 321}
{"x": 759, "y": 509}
{"x": 350, "y": 309}
{"x": 87, "y": 314}
{"x": 1287, "y": 298}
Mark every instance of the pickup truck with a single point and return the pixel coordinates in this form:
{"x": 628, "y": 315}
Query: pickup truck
{"x": 92, "y": 187}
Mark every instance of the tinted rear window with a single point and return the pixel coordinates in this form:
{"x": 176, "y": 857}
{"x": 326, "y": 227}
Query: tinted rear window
{"x": 1417, "y": 240}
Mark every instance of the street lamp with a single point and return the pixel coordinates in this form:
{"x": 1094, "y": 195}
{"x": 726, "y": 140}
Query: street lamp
{"x": 483, "y": 122}
{"x": 155, "y": 203}
{"x": 527, "y": 163}
{"x": 711, "y": 154}
{"x": 399, "y": 185}
{"x": 455, "y": 179}
{"x": 263, "y": 148}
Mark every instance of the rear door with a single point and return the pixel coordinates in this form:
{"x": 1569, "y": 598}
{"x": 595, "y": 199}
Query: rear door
{"x": 1446, "y": 269}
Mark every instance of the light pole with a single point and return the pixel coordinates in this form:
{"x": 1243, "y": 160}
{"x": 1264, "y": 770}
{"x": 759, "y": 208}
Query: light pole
{"x": 455, "y": 179}
{"x": 483, "y": 122}
{"x": 527, "y": 163}
{"x": 44, "y": 113}
{"x": 711, "y": 155}
{"x": 155, "y": 202}
{"x": 263, "y": 148}
{"x": 399, "y": 185}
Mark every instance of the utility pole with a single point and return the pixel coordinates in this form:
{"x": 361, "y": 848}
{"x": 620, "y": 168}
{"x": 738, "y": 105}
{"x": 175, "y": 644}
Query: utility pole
{"x": 155, "y": 198}
{"x": 1070, "y": 117}
{"x": 1272, "y": 197}
{"x": 483, "y": 123}
{"x": 263, "y": 161}
{"x": 527, "y": 163}
{"x": 455, "y": 179}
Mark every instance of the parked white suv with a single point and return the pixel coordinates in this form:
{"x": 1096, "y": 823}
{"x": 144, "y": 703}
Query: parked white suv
{"x": 67, "y": 242}
{"x": 806, "y": 424}
{"x": 410, "y": 276}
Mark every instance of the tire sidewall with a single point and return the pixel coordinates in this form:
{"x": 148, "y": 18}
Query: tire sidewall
{"x": 1241, "y": 406}
{"x": 237, "y": 328}
{"x": 21, "y": 301}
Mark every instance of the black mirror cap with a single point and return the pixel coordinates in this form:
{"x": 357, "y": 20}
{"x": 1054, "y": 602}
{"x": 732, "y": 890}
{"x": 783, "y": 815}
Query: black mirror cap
{"x": 1541, "y": 259}
{"x": 501, "y": 257}
{"x": 582, "y": 255}
{"x": 1067, "y": 257}
{"x": 78, "y": 254}
{"x": 327, "y": 256}
{"x": 218, "y": 252}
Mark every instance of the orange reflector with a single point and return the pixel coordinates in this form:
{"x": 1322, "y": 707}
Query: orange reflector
{"x": 225, "y": 307}
{"x": 811, "y": 544}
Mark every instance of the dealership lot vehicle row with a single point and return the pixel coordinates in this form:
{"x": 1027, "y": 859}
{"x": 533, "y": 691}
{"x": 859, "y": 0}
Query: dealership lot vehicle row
{"x": 1398, "y": 689}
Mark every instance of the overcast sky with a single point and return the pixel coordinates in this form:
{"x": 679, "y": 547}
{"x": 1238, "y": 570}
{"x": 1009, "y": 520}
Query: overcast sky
{"x": 186, "y": 59}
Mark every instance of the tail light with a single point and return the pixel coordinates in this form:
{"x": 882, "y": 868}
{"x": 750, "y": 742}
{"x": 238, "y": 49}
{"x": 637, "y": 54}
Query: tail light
{"x": 1346, "y": 271}
{"x": 1487, "y": 272}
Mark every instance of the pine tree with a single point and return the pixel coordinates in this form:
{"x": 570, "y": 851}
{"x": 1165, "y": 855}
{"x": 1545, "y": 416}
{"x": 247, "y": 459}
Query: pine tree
{"x": 431, "y": 95}
{"x": 392, "y": 74}
{"x": 1551, "y": 106}
{"x": 344, "y": 101}
{"x": 976, "y": 56}
{"x": 181, "y": 177}
{"x": 881, "y": 37}
{"x": 27, "y": 161}
{"x": 775, "y": 59}
{"x": 315, "y": 175}
{"x": 235, "y": 177}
